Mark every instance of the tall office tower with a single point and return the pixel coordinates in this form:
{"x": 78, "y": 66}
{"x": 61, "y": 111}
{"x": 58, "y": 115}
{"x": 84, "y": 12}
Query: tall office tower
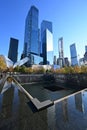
{"x": 85, "y": 48}
{"x": 13, "y": 49}
{"x": 85, "y": 55}
{"x": 61, "y": 52}
{"x": 66, "y": 61}
{"x": 55, "y": 60}
{"x": 31, "y": 37}
{"x": 73, "y": 52}
{"x": 47, "y": 42}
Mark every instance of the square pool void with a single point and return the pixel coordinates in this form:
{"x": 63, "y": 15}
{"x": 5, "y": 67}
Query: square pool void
{"x": 45, "y": 91}
{"x": 54, "y": 88}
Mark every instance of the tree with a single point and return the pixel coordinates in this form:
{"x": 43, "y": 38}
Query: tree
{"x": 3, "y": 65}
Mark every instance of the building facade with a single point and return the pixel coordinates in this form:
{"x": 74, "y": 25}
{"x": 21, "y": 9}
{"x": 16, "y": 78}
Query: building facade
{"x": 55, "y": 60}
{"x": 73, "y": 53}
{"x": 85, "y": 48}
{"x": 61, "y": 52}
{"x": 32, "y": 36}
{"x": 66, "y": 61}
{"x": 85, "y": 55}
{"x": 47, "y": 42}
{"x": 13, "y": 50}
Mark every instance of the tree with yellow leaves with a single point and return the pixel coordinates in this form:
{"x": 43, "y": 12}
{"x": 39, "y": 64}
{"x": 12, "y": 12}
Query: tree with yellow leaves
{"x": 3, "y": 65}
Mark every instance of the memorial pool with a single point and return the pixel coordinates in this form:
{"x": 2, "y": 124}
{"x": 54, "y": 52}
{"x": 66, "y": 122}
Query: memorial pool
{"x": 18, "y": 113}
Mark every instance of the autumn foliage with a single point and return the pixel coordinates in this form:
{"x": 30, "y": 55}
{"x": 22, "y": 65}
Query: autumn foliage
{"x": 3, "y": 66}
{"x": 72, "y": 70}
{"x": 30, "y": 70}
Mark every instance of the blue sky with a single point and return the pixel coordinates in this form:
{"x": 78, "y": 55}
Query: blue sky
{"x": 69, "y": 18}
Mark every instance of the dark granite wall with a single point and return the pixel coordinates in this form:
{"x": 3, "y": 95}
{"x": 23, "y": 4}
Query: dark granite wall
{"x": 66, "y": 80}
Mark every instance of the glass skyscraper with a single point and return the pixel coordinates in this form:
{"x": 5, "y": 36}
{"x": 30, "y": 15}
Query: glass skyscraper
{"x": 13, "y": 50}
{"x": 31, "y": 37}
{"x": 47, "y": 42}
{"x": 73, "y": 52}
{"x": 85, "y": 55}
{"x": 85, "y": 48}
{"x": 61, "y": 52}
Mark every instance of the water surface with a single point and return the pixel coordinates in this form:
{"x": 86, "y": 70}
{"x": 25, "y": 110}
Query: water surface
{"x": 46, "y": 91}
{"x": 17, "y": 112}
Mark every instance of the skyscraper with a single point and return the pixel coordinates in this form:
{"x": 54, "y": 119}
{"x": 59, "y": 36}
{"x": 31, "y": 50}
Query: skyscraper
{"x": 13, "y": 49}
{"x": 73, "y": 55}
{"x": 31, "y": 37}
{"x": 66, "y": 61}
{"x": 47, "y": 42}
{"x": 85, "y": 48}
{"x": 61, "y": 52}
{"x": 85, "y": 55}
{"x": 55, "y": 60}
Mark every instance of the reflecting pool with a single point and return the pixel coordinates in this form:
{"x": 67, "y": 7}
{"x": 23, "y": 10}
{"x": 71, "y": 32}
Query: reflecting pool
{"x": 18, "y": 113}
{"x": 46, "y": 91}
